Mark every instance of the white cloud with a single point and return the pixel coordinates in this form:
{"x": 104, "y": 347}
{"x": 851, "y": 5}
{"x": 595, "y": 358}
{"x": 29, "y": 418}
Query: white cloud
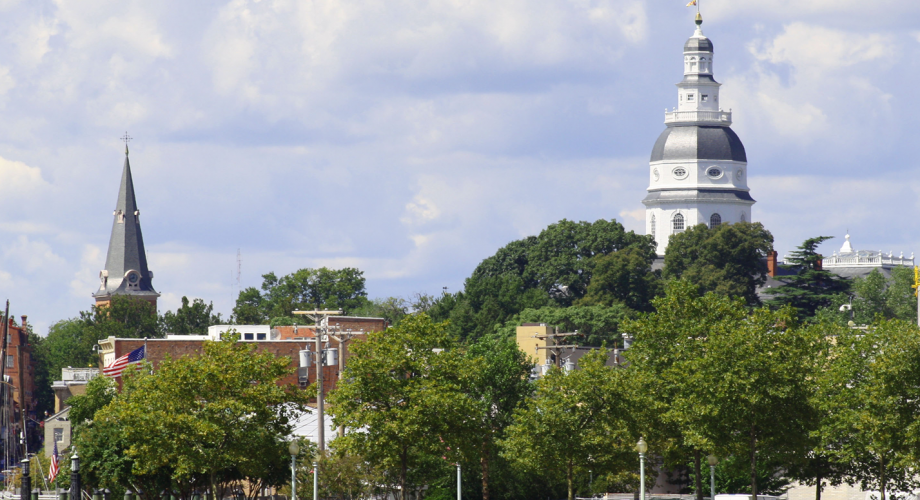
{"x": 18, "y": 179}
{"x": 810, "y": 48}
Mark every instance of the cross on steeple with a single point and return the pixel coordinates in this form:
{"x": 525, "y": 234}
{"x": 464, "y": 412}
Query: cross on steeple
{"x": 126, "y": 138}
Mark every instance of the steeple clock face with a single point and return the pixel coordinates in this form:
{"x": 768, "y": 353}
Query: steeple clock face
{"x": 133, "y": 278}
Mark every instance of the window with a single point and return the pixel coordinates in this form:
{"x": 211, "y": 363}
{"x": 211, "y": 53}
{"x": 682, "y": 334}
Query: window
{"x": 260, "y": 336}
{"x": 247, "y": 336}
{"x": 742, "y": 218}
{"x": 680, "y": 172}
{"x": 677, "y": 223}
{"x": 704, "y": 97}
{"x": 714, "y": 172}
{"x": 9, "y": 360}
{"x": 689, "y": 97}
{"x": 58, "y": 435}
{"x": 714, "y": 221}
{"x": 652, "y": 229}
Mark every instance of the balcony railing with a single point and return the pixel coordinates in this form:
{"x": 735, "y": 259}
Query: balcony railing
{"x": 867, "y": 259}
{"x": 720, "y": 117}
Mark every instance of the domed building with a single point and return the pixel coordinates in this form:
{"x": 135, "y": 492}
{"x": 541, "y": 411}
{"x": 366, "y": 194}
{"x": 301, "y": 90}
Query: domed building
{"x": 698, "y": 168}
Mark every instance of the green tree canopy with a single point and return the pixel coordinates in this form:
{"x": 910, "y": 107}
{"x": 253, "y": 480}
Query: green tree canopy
{"x": 553, "y": 268}
{"x": 196, "y": 422}
{"x": 576, "y": 421}
{"x": 598, "y": 325}
{"x": 402, "y": 395}
{"x": 303, "y": 289}
{"x": 729, "y": 259}
{"x": 624, "y": 277}
{"x": 190, "y": 318}
{"x": 869, "y": 394}
{"x": 811, "y": 287}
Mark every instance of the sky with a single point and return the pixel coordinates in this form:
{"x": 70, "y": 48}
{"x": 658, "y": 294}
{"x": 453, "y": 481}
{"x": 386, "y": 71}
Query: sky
{"x": 412, "y": 139}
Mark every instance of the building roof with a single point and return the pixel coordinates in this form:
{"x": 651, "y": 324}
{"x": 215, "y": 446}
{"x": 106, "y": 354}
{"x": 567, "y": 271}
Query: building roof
{"x": 126, "y": 246}
{"x": 697, "y": 142}
{"x": 698, "y": 44}
{"x": 708, "y": 195}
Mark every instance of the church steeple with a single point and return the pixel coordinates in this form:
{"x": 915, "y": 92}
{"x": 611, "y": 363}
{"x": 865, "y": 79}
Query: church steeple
{"x": 126, "y": 271}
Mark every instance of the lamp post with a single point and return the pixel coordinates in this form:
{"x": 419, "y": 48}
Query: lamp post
{"x": 641, "y": 447}
{"x": 25, "y": 493}
{"x": 459, "y": 489}
{"x": 315, "y": 481}
{"x": 75, "y": 476}
{"x": 713, "y": 461}
{"x": 294, "y": 450}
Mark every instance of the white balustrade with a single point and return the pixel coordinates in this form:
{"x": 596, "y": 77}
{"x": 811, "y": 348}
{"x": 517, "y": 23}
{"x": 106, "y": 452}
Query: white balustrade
{"x": 720, "y": 117}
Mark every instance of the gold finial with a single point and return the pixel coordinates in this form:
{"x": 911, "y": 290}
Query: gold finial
{"x": 699, "y": 18}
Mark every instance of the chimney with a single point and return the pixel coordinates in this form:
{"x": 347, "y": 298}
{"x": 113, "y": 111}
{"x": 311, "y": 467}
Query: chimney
{"x": 23, "y": 325}
{"x": 771, "y": 263}
{"x": 820, "y": 265}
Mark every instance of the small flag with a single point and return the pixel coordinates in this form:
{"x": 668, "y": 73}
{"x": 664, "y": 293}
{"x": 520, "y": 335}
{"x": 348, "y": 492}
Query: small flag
{"x": 114, "y": 370}
{"x": 692, "y": 3}
{"x": 54, "y": 469}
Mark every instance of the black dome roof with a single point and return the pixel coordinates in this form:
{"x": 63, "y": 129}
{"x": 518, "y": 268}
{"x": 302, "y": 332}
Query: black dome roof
{"x": 698, "y": 45}
{"x": 693, "y": 142}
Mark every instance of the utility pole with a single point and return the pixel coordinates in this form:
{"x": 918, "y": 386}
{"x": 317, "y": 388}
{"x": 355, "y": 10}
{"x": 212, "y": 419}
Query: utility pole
{"x": 321, "y": 320}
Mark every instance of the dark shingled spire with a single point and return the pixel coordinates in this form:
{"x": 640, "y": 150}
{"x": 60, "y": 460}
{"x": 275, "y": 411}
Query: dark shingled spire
{"x": 126, "y": 270}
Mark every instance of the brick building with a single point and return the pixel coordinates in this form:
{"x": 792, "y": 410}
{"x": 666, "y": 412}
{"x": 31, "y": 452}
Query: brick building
{"x": 283, "y": 341}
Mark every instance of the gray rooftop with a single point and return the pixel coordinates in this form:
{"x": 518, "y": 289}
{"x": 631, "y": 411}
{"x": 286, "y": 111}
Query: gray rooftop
{"x": 694, "y": 142}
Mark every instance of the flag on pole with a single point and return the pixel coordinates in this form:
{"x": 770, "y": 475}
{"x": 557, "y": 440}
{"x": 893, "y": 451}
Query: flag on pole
{"x": 54, "y": 469}
{"x": 114, "y": 370}
{"x": 692, "y": 3}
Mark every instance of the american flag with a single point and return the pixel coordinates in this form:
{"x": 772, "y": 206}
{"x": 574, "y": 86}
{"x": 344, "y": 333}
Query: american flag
{"x": 114, "y": 370}
{"x": 54, "y": 469}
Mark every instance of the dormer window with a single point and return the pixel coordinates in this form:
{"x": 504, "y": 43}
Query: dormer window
{"x": 704, "y": 97}
{"x": 120, "y": 217}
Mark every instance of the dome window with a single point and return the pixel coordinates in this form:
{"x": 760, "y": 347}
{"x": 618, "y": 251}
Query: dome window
{"x": 677, "y": 223}
{"x": 679, "y": 172}
{"x": 714, "y": 172}
{"x": 714, "y": 221}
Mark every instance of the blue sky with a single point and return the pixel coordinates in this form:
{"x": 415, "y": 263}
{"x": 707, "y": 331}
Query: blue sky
{"x": 412, "y": 139}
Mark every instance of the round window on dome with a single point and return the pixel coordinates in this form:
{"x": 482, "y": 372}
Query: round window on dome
{"x": 679, "y": 172}
{"x": 714, "y": 172}
{"x": 655, "y": 173}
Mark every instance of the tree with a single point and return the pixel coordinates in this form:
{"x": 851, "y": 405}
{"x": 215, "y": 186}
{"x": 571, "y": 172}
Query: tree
{"x": 759, "y": 375}
{"x": 391, "y": 308}
{"x": 551, "y": 269}
{"x": 498, "y": 386}
{"x": 196, "y": 422}
{"x": 190, "y": 318}
{"x": 306, "y": 288}
{"x": 663, "y": 362}
{"x": 875, "y": 295}
{"x": 870, "y": 396}
{"x": 725, "y": 380}
{"x": 598, "y": 325}
{"x": 70, "y": 342}
{"x": 811, "y": 287}
{"x": 402, "y": 398}
{"x": 123, "y": 317}
{"x": 100, "y": 391}
{"x": 624, "y": 277}
{"x": 576, "y": 421}
{"x": 729, "y": 259}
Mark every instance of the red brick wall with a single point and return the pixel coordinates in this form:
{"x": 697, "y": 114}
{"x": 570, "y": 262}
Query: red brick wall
{"x": 158, "y": 349}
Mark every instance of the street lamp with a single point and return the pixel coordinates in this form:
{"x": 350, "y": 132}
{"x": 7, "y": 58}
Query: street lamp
{"x": 713, "y": 461}
{"x": 315, "y": 480}
{"x": 294, "y": 450}
{"x": 641, "y": 447}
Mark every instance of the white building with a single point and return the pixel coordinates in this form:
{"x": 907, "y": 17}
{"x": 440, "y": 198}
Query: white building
{"x": 698, "y": 168}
